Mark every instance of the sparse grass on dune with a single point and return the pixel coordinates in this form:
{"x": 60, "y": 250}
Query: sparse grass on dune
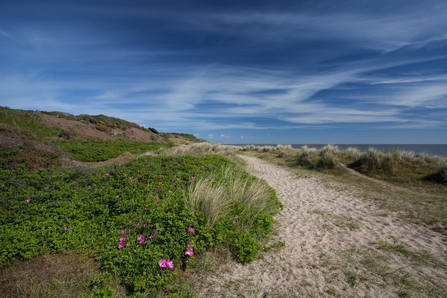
{"x": 400, "y": 167}
{"x": 415, "y": 184}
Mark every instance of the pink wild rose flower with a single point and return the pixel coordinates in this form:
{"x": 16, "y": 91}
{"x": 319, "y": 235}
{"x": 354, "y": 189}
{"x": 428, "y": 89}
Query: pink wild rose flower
{"x": 189, "y": 252}
{"x": 141, "y": 239}
{"x": 162, "y": 263}
{"x": 170, "y": 264}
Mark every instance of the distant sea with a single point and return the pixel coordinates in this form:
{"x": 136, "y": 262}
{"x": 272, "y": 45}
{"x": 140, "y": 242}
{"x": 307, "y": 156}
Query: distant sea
{"x": 440, "y": 150}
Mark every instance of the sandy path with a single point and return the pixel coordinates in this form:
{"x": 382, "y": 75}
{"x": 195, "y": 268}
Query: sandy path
{"x": 319, "y": 227}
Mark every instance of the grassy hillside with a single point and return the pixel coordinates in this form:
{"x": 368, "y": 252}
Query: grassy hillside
{"x": 39, "y": 139}
{"x": 67, "y": 126}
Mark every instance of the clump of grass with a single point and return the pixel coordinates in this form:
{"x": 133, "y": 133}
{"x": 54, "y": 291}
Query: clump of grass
{"x": 216, "y": 195}
{"x": 349, "y": 155}
{"x": 325, "y": 159}
{"x": 307, "y": 157}
{"x": 440, "y": 176}
{"x": 328, "y": 158}
{"x": 285, "y": 151}
{"x": 210, "y": 198}
{"x": 401, "y": 166}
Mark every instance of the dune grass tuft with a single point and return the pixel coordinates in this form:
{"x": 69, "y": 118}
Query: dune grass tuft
{"x": 226, "y": 190}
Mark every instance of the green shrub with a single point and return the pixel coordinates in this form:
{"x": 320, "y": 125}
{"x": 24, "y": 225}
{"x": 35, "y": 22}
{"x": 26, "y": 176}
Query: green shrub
{"x": 52, "y": 210}
{"x": 247, "y": 248}
{"x": 94, "y": 151}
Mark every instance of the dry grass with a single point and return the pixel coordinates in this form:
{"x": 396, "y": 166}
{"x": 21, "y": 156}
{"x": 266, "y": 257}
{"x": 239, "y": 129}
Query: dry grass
{"x": 61, "y": 275}
{"x": 216, "y": 195}
{"x": 209, "y": 197}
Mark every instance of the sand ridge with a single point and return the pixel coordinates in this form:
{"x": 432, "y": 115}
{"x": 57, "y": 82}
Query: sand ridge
{"x": 321, "y": 227}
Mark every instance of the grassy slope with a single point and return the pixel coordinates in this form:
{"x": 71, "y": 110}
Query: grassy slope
{"x": 29, "y": 138}
{"x": 32, "y": 122}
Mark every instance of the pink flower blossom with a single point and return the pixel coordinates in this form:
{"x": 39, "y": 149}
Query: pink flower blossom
{"x": 189, "y": 252}
{"x": 170, "y": 264}
{"x": 107, "y": 174}
{"x": 162, "y": 263}
{"x": 121, "y": 245}
{"x": 27, "y": 200}
{"x": 190, "y": 229}
{"x": 107, "y": 206}
{"x": 117, "y": 196}
{"x": 136, "y": 224}
{"x": 123, "y": 231}
{"x": 122, "y": 239}
{"x": 170, "y": 191}
{"x": 188, "y": 243}
{"x": 141, "y": 239}
{"x": 65, "y": 228}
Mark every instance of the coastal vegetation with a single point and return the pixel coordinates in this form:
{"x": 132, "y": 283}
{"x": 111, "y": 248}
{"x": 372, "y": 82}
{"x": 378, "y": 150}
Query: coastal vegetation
{"x": 74, "y": 223}
{"x": 413, "y": 185}
{"x": 124, "y": 229}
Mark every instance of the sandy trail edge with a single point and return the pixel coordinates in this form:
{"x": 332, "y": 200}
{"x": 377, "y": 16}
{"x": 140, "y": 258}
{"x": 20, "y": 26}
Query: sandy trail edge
{"x": 306, "y": 227}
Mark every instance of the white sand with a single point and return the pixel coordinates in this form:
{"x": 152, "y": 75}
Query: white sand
{"x": 314, "y": 261}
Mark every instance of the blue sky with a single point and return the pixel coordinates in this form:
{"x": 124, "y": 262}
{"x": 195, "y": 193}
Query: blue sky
{"x": 235, "y": 71}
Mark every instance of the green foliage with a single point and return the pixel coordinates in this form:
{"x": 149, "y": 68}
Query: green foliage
{"x": 30, "y": 155}
{"x": 28, "y": 121}
{"x": 94, "y": 151}
{"x": 247, "y": 248}
{"x": 153, "y": 130}
{"x": 52, "y": 210}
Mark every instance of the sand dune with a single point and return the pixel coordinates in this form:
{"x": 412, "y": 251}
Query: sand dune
{"x": 330, "y": 236}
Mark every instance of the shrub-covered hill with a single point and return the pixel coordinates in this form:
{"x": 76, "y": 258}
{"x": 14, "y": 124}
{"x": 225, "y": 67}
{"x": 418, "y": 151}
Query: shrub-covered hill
{"x": 21, "y": 123}
{"x": 54, "y": 139}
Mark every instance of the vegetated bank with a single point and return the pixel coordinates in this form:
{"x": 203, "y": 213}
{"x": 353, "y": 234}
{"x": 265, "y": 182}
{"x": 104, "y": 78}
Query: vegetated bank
{"x": 144, "y": 221}
{"x": 40, "y": 139}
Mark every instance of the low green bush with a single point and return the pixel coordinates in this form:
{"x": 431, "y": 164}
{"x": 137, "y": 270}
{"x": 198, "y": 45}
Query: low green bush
{"x": 132, "y": 216}
{"x": 94, "y": 151}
